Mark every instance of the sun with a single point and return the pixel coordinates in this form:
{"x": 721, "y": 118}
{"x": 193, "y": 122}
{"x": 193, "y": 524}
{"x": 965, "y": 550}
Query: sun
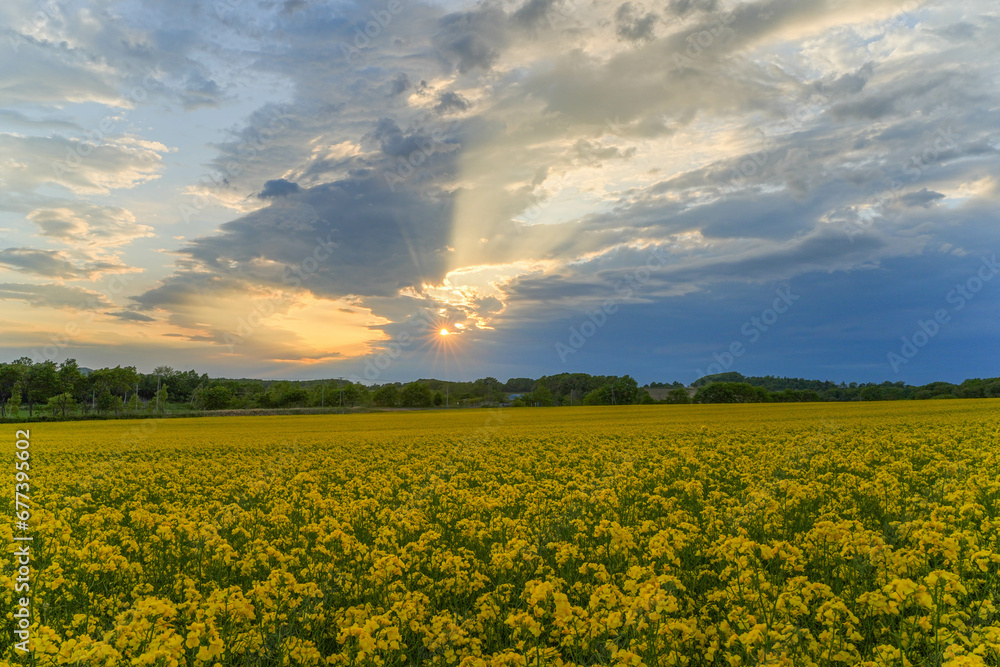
{"x": 444, "y": 332}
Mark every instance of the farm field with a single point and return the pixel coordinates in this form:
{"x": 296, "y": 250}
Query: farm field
{"x": 809, "y": 534}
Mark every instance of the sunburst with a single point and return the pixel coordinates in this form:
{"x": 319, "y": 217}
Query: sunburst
{"x": 445, "y": 341}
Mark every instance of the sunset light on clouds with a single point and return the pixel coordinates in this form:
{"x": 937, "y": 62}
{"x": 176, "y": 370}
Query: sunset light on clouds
{"x": 285, "y": 189}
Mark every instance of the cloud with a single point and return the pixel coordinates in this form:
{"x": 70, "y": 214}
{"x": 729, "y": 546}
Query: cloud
{"x": 354, "y": 236}
{"x": 684, "y": 7}
{"x": 633, "y": 26}
{"x": 962, "y": 31}
{"x": 54, "y": 296}
{"x": 450, "y": 101}
{"x": 504, "y": 164}
{"x": 280, "y": 324}
{"x": 278, "y": 188}
{"x": 88, "y": 225}
{"x": 924, "y": 198}
{"x": 472, "y": 39}
{"x": 34, "y": 73}
{"x": 81, "y": 167}
{"x": 14, "y": 118}
{"x": 54, "y": 264}
{"x": 200, "y": 92}
{"x": 131, "y": 316}
{"x": 533, "y": 12}
{"x": 399, "y": 84}
{"x": 291, "y": 6}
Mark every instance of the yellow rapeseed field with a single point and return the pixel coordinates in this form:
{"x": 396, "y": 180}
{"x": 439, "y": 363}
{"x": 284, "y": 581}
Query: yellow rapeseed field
{"x": 808, "y": 534}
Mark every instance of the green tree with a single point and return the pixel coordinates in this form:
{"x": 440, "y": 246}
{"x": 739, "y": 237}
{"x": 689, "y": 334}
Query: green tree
{"x": 731, "y": 392}
{"x": 14, "y": 402}
{"x": 118, "y": 381}
{"x": 619, "y": 391}
{"x": 356, "y": 393}
{"x": 9, "y": 376}
{"x": 60, "y": 404}
{"x": 626, "y": 391}
{"x": 284, "y": 394}
{"x": 71, "y": 379}
{"x": 108, "y": 402}
{"x": 416, "y": 395}
{"x": 386, "y": 396}
{"x": 489, "y": 388}
{"x": 677, "y": 395}
{"x": 42, "y": 383}
{"x": 161, "y": 399}
{"x": 518, "y": 385}
{"x": 872, "y": 393}
{"x": 541, "y": 396}
{"x": 162, "y": 375}
{"x": 216, "y": 397}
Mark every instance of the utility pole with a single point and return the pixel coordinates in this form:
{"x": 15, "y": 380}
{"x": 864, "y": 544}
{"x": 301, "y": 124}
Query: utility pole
{"x": 322, "y": 395}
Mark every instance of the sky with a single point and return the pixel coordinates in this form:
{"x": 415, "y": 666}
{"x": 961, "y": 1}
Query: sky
{"x": 391, "y": 189}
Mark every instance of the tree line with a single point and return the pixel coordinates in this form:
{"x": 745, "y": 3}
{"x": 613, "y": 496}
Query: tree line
{"x": 733, "y": 387}
{"x": 67, "y": 390}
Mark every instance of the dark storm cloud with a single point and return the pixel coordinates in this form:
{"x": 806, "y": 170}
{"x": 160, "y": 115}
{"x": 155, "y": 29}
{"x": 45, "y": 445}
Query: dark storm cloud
{"x": 533, "y": 12}
{"x": 201, "y": 92}
{"x": 450, "y": 101}
{"x": 278, "y": 187}
{"x": 924, "y": 198}
{"x": 354, "y": 236}
{"x": 472, "y": 39}
{"x": 632, "y": 25}
{"x": 684, "y": 7}
{"x": 399, "y": 84}
{"x": 850, "y": 83}
{"x": 395, "y": 143}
